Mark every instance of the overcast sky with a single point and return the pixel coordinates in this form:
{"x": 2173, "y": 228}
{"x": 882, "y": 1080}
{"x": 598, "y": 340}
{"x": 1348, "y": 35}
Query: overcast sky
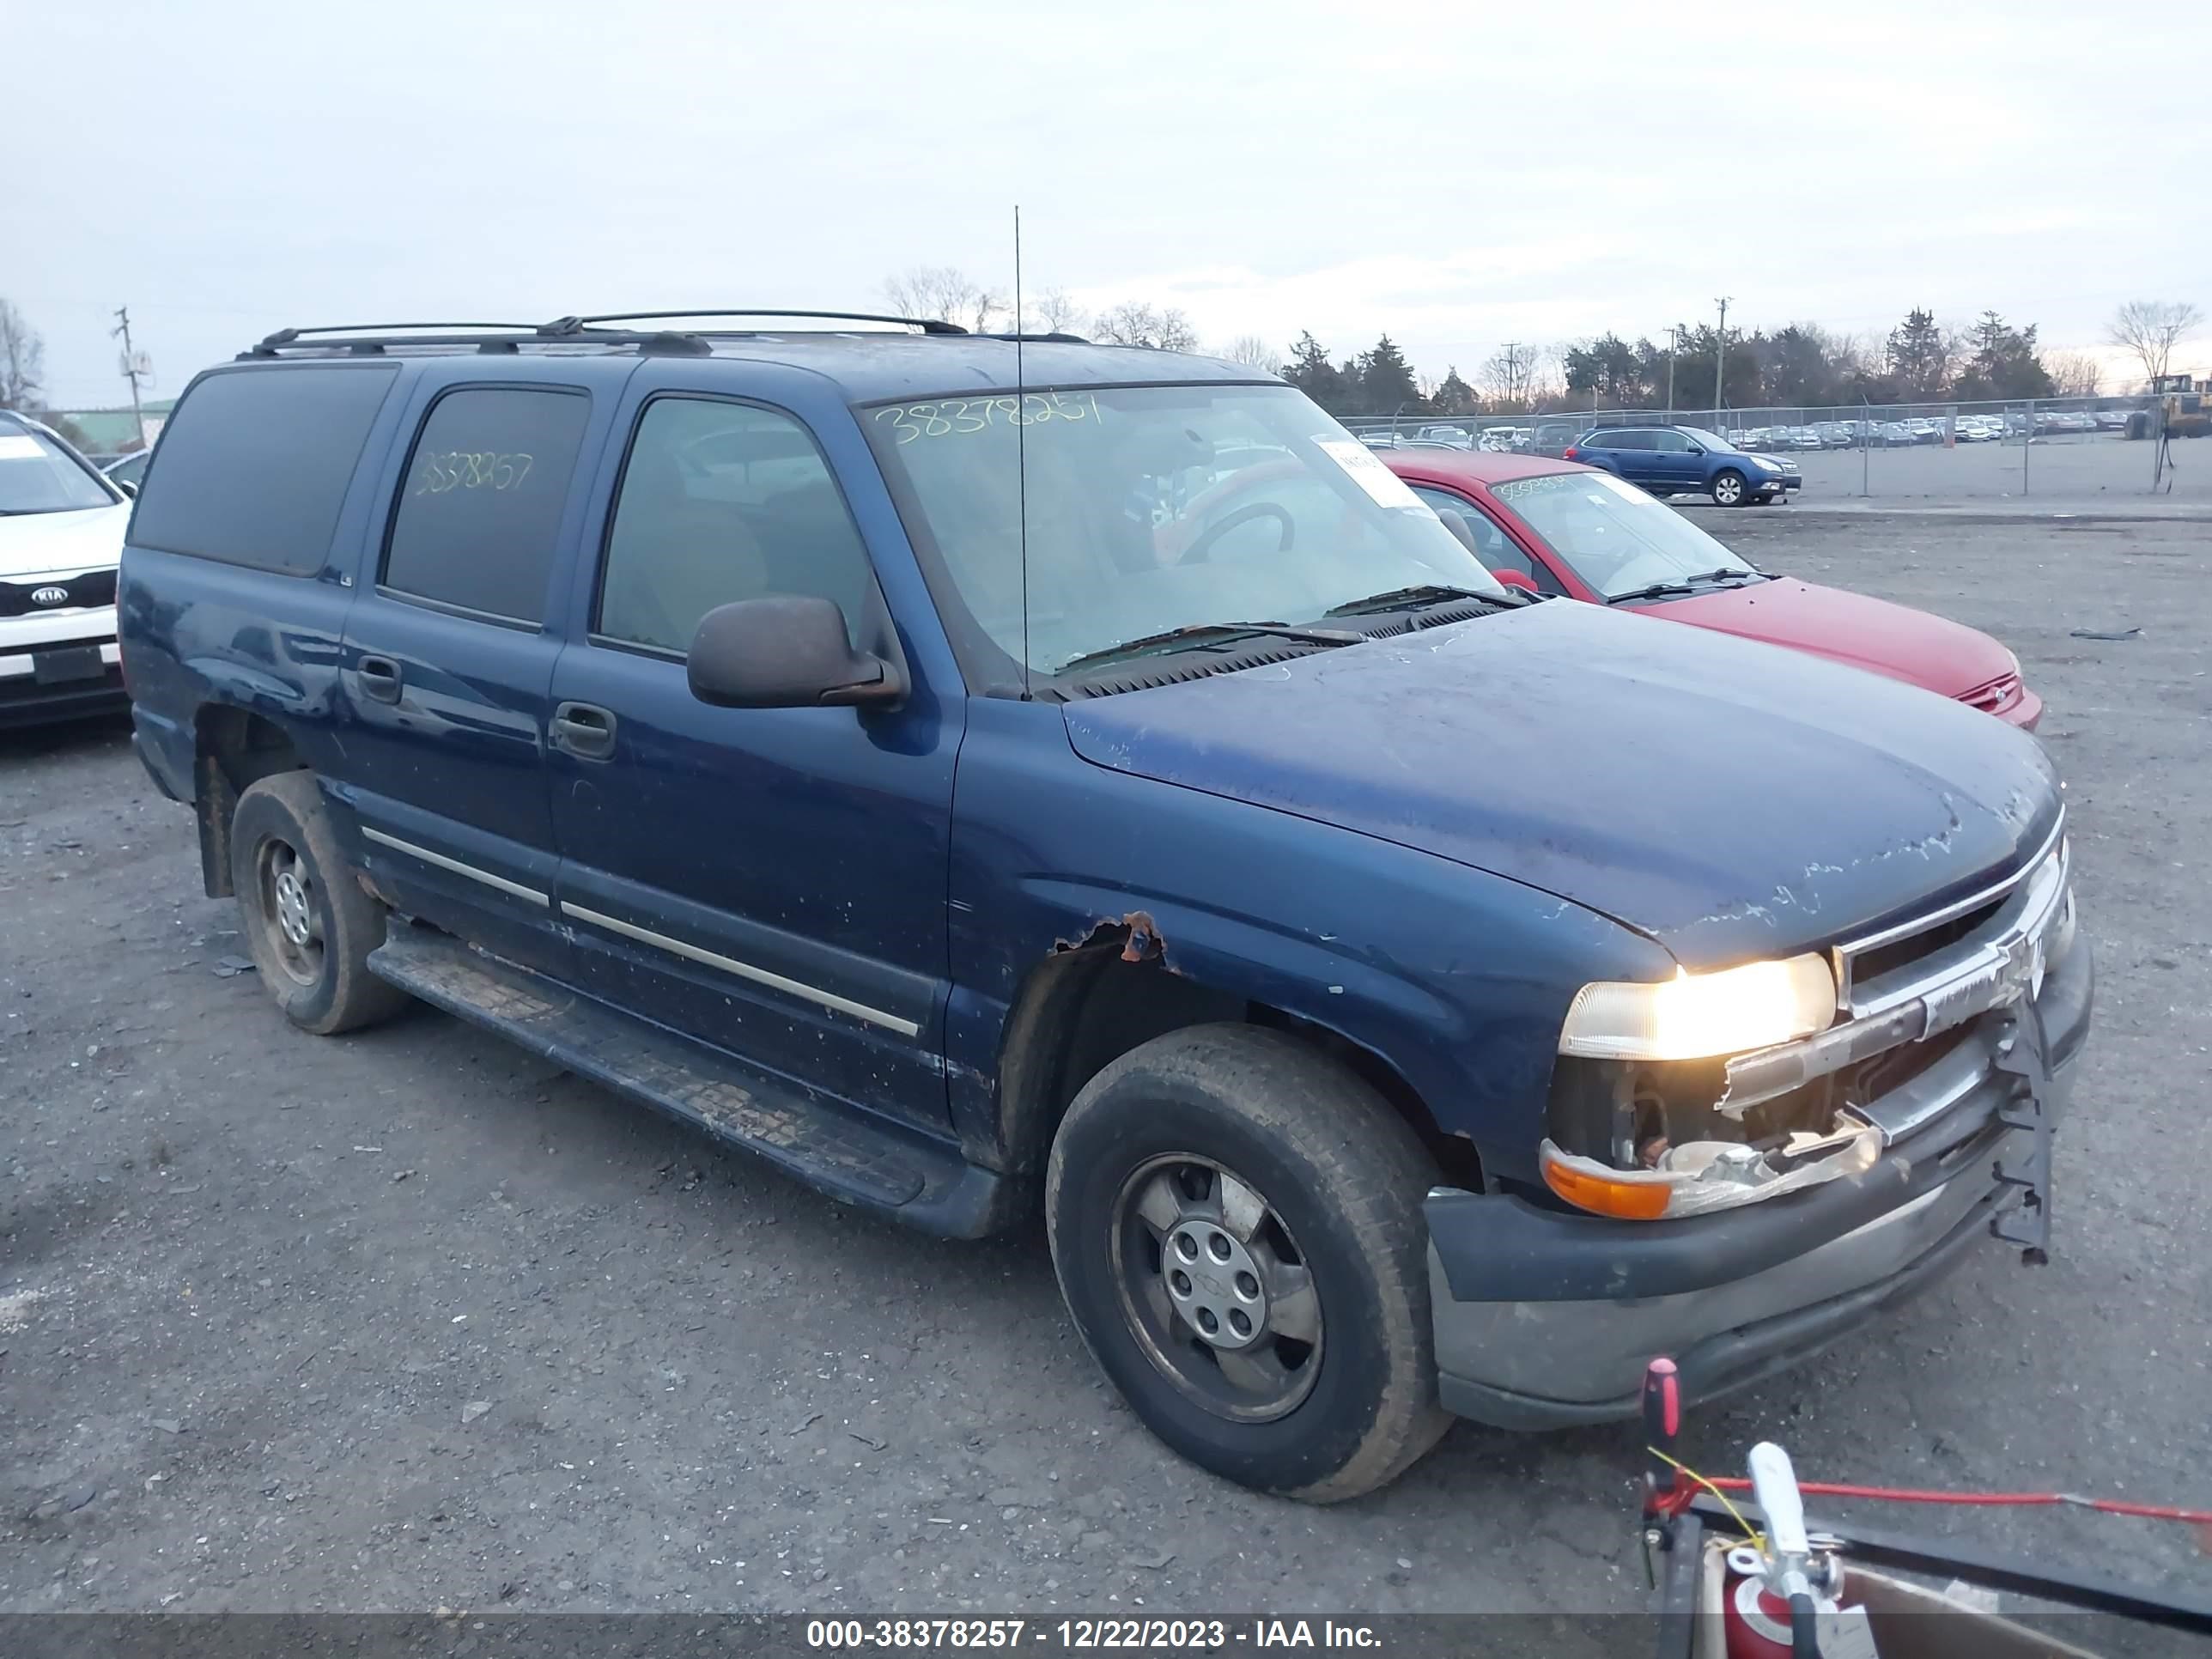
{"x": 1459, "y": 175}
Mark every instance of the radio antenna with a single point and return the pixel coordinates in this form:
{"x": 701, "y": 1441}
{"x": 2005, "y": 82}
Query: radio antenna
{"x": 1021, "y": 451}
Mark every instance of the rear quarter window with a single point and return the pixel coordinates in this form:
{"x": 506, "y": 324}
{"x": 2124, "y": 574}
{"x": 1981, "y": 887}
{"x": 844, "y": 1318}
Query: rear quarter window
{"x": 255, "y": 463}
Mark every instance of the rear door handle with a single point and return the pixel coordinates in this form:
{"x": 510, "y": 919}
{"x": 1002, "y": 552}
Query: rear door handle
{"x": 380, "y": 678}
{"x": 585, "y": 730}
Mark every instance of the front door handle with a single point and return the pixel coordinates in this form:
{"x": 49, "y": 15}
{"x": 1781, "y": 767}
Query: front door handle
{"x": 379, "y": 678}
{"x": 585, "y": 730}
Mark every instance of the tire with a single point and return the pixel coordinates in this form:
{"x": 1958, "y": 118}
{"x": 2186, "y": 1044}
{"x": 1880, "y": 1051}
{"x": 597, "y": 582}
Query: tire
{"x": 1762, "y": 501}
{"x": 1728, "y": 487}
{"x": 310, "y": 940}
{"x": 1339, "y": 1178}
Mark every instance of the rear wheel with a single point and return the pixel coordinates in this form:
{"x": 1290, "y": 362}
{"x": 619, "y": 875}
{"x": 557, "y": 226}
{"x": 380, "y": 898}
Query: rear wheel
{"x": 308, "y": 923}
{"x": 1728, "y": 487}
{"x": 1236, "y": 1224}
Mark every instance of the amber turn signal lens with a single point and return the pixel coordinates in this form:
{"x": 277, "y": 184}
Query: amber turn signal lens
{"x": 1626, "y": 1201}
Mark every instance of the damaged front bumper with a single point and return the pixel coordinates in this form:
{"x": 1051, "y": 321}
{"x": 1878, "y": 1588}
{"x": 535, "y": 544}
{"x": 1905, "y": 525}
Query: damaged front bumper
{"x": 1544, "y": 1317}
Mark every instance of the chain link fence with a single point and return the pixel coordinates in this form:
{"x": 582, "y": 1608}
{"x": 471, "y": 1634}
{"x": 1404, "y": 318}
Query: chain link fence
{"x": 1948, "y": 450}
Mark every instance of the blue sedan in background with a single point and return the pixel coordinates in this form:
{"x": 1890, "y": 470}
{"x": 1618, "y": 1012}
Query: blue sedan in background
{"x": 1678, "y": 461}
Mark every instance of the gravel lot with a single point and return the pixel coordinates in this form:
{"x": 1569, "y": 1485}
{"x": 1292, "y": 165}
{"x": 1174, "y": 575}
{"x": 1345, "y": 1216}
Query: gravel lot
{"x": 410, "y": 1319}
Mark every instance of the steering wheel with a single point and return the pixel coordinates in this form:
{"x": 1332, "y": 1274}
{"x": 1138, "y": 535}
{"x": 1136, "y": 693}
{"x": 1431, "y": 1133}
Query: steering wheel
{"x": 1196, "y": 552}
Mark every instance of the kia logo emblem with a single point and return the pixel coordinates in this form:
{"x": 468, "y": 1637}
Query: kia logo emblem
{"x": 50, "y": 596}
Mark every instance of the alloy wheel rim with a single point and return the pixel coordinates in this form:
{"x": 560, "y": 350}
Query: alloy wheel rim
{"x": 290, "y": 918}
{"x": 1215, "y": 1289}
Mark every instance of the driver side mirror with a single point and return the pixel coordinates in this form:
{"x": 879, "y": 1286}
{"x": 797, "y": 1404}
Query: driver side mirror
{"x": 1515, "y": 579}
{"x": 126, "y": 486}
{"x": 1697, "y": 449}
{"x": 790, "y": 650}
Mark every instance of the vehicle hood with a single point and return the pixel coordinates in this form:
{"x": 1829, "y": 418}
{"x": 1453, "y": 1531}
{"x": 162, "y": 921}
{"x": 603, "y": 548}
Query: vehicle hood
{"x": 1906, "y": 644}
{"x": 1731, "y": 799}
{"x": 39, "y": 543}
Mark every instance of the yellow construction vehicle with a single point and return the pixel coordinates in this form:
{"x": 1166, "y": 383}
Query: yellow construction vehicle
{"x": 2184, "y": 406}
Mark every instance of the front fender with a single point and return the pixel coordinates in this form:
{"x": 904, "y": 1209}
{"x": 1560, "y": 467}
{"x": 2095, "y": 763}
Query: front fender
{"x": 1457, "y": 978}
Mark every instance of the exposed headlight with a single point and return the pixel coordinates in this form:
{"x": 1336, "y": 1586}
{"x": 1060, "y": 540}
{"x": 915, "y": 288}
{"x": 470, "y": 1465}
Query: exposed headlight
{"x": 1697, "y": 1016}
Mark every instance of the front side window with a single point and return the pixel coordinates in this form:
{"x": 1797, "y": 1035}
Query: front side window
{"x": 1669, "y": 443}
{"x": 1152, "y": 508}
{"x": 724, "y": 501}
{"x": 1613, "y": 536}
{"x": 480, "y": 508}
{"x": 37, "y": 474}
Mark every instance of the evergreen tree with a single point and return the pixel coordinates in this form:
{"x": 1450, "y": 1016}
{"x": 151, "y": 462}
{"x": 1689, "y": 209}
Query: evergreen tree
{"x": 1311, "y": 372}
{"x": 1918, "y": 355}
{"x": 1386, "y": 381}
{"x": 1454, "y": 395}
{"x": 2005, "y": 363}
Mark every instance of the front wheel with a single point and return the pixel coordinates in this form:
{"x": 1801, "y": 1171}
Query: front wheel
{"x": 1728, "y": 487}
{"x": 1236, "y": 1221}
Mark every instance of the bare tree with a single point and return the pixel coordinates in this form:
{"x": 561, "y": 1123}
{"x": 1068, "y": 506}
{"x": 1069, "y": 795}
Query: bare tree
{"x": 943, "y": 291}
{"x": 1053, "y": 312}
{"x": 1255, "y": 353}
{"x": 22, "y": 360}
{"x": 2149, "y": 328}
{"x": 2074, "y": 373}
{"x": 1509, "y": 377}
{"x": 1136, "y": 323}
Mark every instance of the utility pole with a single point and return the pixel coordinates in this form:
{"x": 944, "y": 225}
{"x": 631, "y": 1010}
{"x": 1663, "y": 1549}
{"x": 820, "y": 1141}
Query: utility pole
{"x": 1674, "y": 345}
{"x": 130, "y": 368}
{"x": 1720, "y": 370}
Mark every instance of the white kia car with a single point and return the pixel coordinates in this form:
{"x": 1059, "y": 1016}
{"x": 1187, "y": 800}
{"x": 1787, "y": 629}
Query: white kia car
{"x": 61, "y": 535}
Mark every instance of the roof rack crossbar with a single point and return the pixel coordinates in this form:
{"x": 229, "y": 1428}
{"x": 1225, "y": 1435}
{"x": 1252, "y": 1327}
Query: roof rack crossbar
{"x": 926, "y": 325}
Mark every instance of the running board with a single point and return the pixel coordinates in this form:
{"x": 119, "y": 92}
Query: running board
{"x": 851, "y": 1156}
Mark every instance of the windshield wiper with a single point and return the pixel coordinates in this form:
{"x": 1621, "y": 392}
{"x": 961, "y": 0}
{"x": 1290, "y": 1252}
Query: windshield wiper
{"x": 1415, "y": 598}
{"x": 1680, "y": 584}
{"x": 1202, "y": 633}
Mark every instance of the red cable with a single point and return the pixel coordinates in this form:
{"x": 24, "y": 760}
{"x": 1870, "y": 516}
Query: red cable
{"x": 1909, "y": 1495}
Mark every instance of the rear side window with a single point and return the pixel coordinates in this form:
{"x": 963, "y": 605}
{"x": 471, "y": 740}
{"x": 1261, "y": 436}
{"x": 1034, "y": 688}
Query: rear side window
{"x": 480, "y": 504}
{"x": 255, "y": 463}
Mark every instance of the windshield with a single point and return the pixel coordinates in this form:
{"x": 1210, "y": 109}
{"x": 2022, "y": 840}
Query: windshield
{"x": 1152, "y": 509}
{"x": 1617, "y": 538}
{"x": 37, "y": 474}
{"x": 1712, "y": 440}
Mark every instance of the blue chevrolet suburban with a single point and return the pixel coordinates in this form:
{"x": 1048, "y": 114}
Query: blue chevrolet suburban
{"x": 983, "y": 775}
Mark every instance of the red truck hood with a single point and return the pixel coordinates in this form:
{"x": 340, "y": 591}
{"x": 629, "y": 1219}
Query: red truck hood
{"x": 1850, "y": 628}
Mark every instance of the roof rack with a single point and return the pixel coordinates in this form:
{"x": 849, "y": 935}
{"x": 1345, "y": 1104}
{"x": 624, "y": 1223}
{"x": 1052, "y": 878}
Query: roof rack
{"x": 370, "y": 339}
{"x": 926, "y": 325}
{"x": 508, "y": 341}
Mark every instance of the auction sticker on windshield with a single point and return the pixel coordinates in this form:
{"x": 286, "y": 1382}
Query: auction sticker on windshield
{"x": 1369, "y": 473}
